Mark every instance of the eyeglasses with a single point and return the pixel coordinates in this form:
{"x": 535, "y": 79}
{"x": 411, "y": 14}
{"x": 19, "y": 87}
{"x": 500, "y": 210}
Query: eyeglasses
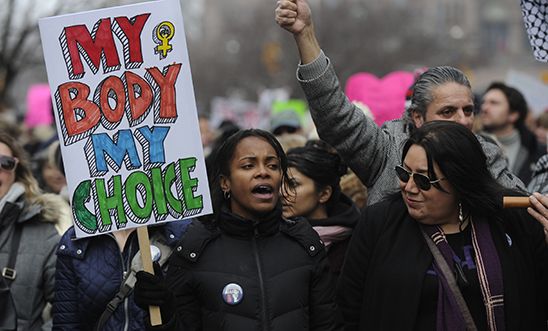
{"x": 8, "y": 163}
{"x": 422, "y": 181}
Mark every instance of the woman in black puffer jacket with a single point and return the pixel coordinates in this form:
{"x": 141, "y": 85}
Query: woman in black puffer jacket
{"x": 247, "y": 268}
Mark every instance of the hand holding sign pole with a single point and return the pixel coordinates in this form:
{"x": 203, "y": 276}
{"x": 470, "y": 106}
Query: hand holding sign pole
{"x": 123, "y": 103}
{"x": 144, "y": 247}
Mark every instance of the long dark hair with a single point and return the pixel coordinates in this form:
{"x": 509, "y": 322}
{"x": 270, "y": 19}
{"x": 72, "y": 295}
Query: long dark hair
{"x": 317, "y": 161}
{"x": 225, "y": 153}
{"x": 462, "y": 161}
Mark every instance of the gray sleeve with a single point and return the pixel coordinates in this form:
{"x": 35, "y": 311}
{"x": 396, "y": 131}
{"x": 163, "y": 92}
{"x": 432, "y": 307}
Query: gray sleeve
{"x": 498, "y": 165}
{"x": 361, "y": 143}
{"x": 539, "y": 180}
{"x": 48, "y": 275}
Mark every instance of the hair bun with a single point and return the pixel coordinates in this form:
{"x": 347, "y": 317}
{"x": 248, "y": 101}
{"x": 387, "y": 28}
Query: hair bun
{"x": 343, "y": 169}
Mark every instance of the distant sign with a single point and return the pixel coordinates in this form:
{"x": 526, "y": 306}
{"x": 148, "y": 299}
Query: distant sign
{"x": 125, "y": 110}
{"x": 532, "y": 88}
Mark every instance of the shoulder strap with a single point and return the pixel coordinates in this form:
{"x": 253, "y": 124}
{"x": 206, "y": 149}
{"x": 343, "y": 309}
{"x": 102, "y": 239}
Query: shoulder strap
{"x": 9, "y": 272}
{"x": 451, "y": 281}
{"x": 129, "y": 281}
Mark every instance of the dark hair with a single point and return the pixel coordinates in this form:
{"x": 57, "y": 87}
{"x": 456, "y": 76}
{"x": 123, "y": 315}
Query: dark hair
{"x": 427, "y": 82}
{"x": 223, "y": 156}
{"x": 516, "y": 101}
{"x": 461, "y": 159}
{"x": 322, "y": 164}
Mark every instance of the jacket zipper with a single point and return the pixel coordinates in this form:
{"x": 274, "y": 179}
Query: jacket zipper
{"x": 264, "y": 320}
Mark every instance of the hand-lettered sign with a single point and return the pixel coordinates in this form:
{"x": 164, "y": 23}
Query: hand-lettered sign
{"x": 126, "y": 115}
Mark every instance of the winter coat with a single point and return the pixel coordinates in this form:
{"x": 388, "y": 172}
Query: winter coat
{"x": 539, "y": 180}
{"x": 370, "y": 151}
{"x": 33, "y": 286}
{"x": 529, "y": 153}
{"x": 278, "y": 270}
{"x": 384, "y": 272}
{"x": 344, "y": 214}
{"x": 90, "y": 272}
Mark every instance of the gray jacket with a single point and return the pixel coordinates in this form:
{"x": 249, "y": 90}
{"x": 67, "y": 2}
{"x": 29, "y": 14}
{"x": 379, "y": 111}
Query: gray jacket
{"x": 370, "y": 151}
{"x": 35, "y": 265}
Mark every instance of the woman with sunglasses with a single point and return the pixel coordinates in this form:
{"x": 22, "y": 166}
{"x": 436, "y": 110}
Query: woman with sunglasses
{"x": 246, "y": 268}
{"x": 30, "y": 223}
{"x": 442, "y": 254}
{"x": 315, "y": 173}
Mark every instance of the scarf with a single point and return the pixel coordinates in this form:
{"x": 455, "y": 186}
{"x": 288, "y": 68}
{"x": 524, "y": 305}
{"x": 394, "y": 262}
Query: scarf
{"x": 449, "y": 316}
{"x": 332, "y": 234}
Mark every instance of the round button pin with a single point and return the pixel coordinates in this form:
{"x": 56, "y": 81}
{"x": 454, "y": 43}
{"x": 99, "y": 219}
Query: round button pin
{"x": 233, "y": 294}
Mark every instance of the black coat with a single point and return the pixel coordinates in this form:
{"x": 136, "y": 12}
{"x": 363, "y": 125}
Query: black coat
{"x": 381, "y": 282}
{"x": 280, "y": 265}
{"x": 345, "y": 213}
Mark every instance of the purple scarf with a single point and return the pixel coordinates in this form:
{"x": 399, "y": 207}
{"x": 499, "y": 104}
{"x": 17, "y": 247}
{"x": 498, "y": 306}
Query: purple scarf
{"x": 449, "y": 316}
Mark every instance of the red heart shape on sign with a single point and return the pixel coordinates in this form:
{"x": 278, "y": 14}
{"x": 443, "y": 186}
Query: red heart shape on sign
{"x": 385, "y": 97}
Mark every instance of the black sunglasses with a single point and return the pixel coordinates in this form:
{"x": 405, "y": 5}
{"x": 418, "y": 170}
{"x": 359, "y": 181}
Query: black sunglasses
{"x": 422, "y": 181}
{"x": 8, "y": 163}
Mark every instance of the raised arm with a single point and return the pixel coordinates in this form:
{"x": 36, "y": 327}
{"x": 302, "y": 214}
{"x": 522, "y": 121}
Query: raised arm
{"x": 361, "y": 143}
{"x": 295, "y": 16}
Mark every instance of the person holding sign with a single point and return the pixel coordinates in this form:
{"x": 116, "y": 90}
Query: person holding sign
{"x": 440, "y": 93}
{"x": 442, "y": 253}
{"x": 92, "y": 274}
{"x": 247, "y": 268}
{"x": 28, "y": 239}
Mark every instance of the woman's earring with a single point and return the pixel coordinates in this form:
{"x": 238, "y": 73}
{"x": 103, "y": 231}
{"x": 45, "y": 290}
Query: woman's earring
{"x": 461, "y": 217}
{"x": 226, "y": 194}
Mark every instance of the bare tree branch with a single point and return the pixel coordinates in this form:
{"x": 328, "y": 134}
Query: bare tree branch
{"x": 7, "y": 28}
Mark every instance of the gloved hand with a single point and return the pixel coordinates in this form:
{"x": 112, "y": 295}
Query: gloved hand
{"x": 151, "y": 290}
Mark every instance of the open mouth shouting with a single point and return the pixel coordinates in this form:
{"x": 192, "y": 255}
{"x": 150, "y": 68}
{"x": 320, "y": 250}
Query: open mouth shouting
{"x": 263, "y": 191}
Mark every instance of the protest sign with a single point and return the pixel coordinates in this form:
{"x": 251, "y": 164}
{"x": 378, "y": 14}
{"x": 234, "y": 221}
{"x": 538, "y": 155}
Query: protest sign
{"x": 385, "y": 96}
{"x": 126, "y": 116}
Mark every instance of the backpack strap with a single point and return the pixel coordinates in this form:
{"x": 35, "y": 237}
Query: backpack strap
{"x": 129, "y": 282}
{"x": 8, "y": 272}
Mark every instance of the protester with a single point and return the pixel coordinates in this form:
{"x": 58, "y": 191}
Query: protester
{"x": 539, "y": 210}
{"x": 247, "y": 269}
{"x": 88, "y": 300}
{"x": 503, "y": 114}
{"x": 314, "y": 177}
{"x": 450, "y": 208}
{"x": 539, "y": 178}
{"x": 352, "y": 187}
{"x": 286, "y": 122}
{"x": 90, "y": 274}
{"x": 29, "y": 225}
{"x": 291, "y": 140}
{"x": 440, "y": 93}
{"x": 206, "y": 133}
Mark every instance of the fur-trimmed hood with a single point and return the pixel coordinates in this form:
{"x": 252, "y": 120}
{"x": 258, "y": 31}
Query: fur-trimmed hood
{"x": 52, "y": 208}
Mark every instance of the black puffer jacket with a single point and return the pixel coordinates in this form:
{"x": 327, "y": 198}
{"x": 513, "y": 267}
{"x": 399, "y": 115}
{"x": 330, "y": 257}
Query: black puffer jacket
{"x": 280, "y": 266}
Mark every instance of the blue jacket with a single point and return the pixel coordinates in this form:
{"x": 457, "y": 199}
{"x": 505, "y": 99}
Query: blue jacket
{"x": 90, "y": 272}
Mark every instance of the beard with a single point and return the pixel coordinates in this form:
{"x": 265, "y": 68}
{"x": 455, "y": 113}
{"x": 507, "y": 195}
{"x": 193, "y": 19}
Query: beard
{"x": 494, "y": 127}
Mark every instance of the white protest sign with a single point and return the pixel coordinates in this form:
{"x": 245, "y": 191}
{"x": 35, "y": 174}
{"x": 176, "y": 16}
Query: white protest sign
{"x": 126, "y": 116}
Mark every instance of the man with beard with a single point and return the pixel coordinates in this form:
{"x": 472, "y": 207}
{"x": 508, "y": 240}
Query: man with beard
{"x": 503, "y": 113}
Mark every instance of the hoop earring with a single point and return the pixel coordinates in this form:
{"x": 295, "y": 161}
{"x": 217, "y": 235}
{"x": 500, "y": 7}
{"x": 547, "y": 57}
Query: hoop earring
{"x": 461, "y": 217}
{"x": 226, "y": 194}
